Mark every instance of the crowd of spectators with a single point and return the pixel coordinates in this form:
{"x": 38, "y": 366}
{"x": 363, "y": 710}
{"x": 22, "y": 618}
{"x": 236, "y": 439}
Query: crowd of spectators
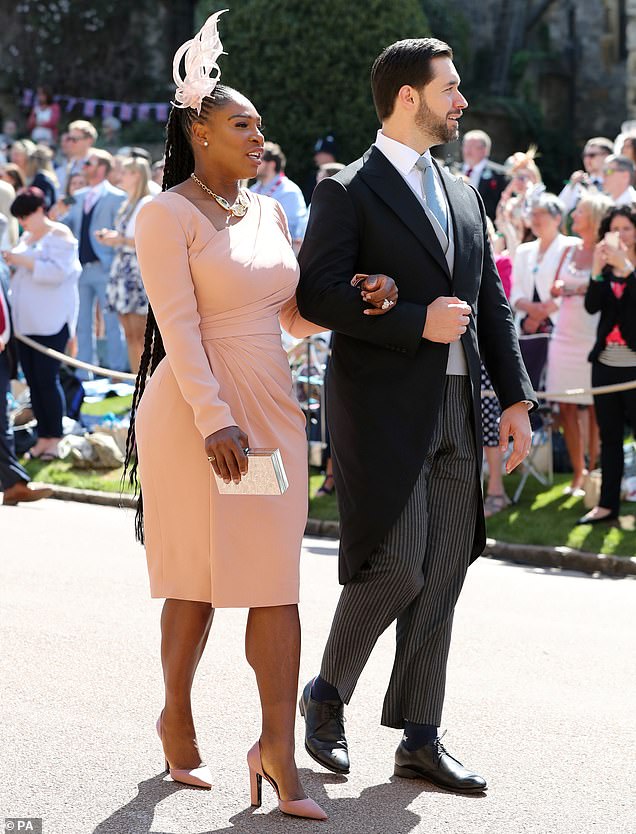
{"x": 75, "y": 282}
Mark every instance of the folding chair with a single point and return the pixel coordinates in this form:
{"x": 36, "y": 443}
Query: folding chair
{"x": 538, "y": 464}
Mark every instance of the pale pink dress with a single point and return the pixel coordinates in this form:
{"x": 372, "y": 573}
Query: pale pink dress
{"x": 219, "y": 298}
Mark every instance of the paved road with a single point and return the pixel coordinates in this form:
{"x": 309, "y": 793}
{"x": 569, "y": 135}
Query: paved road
{"x": 541, "y": 698}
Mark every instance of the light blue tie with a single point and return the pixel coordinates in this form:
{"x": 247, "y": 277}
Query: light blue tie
{"x": 432, "y": 192}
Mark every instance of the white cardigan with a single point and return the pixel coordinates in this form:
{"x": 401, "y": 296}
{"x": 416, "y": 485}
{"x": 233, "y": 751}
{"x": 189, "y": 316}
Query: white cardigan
{"x": 45, "y": 298}
{"x": 524, "y": 279}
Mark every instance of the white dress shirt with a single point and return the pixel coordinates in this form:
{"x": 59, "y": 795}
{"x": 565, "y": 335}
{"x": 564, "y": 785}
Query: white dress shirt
{"x": 403, "y": 159}
{"x": 92, "y": 196}
{"x": 475, "y": 171}
{"x": 627, "y": 198}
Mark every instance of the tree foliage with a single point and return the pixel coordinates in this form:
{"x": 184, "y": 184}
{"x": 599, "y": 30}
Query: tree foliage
{"x": 306, "y": 67}
{"x": 99, "y": 48}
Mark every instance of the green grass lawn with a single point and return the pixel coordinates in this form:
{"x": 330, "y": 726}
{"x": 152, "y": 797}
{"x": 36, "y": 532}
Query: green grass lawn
{"x": 62, "y": 473}
{"x": 544, "y": 516}
{"x": 109, "y": 405}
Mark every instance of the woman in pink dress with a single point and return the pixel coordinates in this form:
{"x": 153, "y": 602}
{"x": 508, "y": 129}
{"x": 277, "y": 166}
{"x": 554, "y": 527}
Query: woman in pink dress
{"x": 220, "y": 275}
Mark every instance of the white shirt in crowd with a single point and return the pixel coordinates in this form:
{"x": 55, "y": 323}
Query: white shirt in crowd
{"x": 530, "y": 271}
{"x": 92, "y": 196}
{"x": 403, "y": 160}
{"x": 129, "y": 230}
{"x": 627, "y": 198}
{"x": 45, "y": 298}
{"x": 475, "y": 172}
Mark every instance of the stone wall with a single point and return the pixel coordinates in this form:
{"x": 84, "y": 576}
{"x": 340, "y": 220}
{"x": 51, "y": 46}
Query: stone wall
{"x": 582, "y": 65}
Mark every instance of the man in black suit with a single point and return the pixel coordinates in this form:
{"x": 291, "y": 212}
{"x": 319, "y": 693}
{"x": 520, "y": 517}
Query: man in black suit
{"x": 486, "y": 176}
{"x": 404, "y": 404}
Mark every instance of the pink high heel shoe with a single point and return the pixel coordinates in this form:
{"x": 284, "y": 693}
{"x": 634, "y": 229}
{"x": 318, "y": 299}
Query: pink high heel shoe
{"x": 198, "y": 777}
{"x": 294, "y": 807}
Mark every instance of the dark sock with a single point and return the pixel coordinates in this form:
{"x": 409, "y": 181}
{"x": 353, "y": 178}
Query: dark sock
{"x": 417, "y": 735}
{"x": 323, "y": 691}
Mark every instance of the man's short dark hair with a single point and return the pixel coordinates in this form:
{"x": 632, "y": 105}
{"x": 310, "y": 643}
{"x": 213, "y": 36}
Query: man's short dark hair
{"x": 404, "y": 62}
{"x": 28, "y": 201}
{"x": 273, "y": 152}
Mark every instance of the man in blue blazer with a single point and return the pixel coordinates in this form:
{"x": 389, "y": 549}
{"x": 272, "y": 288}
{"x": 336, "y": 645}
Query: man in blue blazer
{"x": 95, "y": 209}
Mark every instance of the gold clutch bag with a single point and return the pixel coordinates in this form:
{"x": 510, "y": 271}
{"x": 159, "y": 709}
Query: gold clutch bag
{"x": 265, "y": 475}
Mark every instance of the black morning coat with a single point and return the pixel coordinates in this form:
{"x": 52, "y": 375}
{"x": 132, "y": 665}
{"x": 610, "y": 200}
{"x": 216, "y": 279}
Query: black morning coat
{"x": 385, "y": 381}
{"x": 492, "y": 182}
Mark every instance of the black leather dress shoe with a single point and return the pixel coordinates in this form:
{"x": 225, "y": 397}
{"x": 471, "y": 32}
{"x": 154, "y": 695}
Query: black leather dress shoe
{"x": 434, "y": 763}
{"x": 324, "y": 731}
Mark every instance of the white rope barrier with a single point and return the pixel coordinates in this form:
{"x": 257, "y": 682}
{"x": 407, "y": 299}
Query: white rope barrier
{"x": 96, "y": 369}
{"x": 577, "y": 392}
{"x": 74, "y": 363}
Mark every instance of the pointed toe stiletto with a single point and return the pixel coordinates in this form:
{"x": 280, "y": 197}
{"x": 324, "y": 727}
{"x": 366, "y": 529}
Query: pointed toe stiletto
{"x": 294, "y": 807}
{"x": 198, "y": 777}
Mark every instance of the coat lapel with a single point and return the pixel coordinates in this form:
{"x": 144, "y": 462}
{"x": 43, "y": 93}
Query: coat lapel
{"x": 462, "y": 215}
{"x": 391, "y": 188}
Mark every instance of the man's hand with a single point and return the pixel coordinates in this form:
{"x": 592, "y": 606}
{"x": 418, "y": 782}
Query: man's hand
{"x": 516, "y": 423}
{"x": 446, "y": 320}
{"x": 2, "y": 345}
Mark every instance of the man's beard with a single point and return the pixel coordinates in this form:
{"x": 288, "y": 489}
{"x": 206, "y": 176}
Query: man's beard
{"x": 438, "y": 128}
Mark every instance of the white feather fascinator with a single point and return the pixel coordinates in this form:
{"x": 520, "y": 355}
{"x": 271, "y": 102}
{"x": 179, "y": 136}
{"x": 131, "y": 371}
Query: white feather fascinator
{"x": 202, "y": 71}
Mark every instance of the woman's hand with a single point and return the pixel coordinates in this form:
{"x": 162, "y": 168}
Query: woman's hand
{"x": 13, "y": 259}
{"x": 598, "y": 261}
{"x": 226, "y": 451}
{"x": 556, "y": 290}
{"x": 108, "y": 237}
{"x": 377, "y": 290}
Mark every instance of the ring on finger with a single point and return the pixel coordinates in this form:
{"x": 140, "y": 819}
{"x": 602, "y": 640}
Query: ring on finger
{"x": 211, "y": 458}
{"x": 387, "y": 304}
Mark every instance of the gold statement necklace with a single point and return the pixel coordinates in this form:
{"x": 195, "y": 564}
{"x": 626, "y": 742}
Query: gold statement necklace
{"x": 237, "y": 209}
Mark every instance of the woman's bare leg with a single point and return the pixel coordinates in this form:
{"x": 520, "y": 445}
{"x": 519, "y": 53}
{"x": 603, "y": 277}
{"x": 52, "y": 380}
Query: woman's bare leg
{"x": 134, "y": 327}
{"x": 573, "y": 441}
{"x": 185, "y": 626}
{"x": 494, "y": 457}
{"x": 272, "y": 648}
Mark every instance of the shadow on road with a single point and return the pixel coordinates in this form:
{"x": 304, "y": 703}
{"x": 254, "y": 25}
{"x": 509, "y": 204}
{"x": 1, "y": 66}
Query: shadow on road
{"x": 378, "y": 808}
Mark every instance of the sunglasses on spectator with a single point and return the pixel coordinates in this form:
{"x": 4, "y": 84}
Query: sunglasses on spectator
{"x": 90, "y": 163}
{"x": 75, "y": 138}
{"x": 593, "y": 153}
{"x": 607, "y": 172}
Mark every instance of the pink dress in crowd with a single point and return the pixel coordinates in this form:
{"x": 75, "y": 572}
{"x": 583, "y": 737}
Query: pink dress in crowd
{"x": 219, "y": 298}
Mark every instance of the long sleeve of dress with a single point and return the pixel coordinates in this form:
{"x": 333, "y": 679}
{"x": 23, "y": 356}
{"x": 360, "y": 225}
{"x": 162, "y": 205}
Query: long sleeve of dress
{"x": 56, "y": 261}
{"x": 162, "y": 251}
{"x": 291, "y": 320}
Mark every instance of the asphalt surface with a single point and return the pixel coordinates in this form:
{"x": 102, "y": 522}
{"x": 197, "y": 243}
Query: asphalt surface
{"x": 541, "y": 698}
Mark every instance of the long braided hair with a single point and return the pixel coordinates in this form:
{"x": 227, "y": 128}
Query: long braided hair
{"x": 179, "y": 164}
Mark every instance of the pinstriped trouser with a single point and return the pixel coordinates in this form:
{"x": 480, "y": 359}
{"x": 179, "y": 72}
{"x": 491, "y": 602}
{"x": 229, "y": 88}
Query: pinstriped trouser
{"x": 415, "y": 576}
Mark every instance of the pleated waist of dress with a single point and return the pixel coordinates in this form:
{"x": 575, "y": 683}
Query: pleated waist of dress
{"x": 215, "y": 327}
